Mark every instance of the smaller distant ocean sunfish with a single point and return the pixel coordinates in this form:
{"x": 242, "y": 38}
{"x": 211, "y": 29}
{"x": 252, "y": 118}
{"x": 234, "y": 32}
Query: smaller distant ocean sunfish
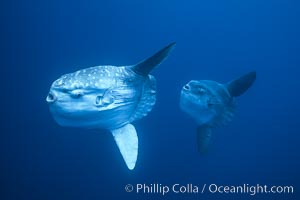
{"x": 108, "y": 97}
{"x": 212, "y": 104}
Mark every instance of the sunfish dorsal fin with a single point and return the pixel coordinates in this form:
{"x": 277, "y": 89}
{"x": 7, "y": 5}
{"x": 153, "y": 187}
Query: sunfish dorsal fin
{"x": 143, "y": 68}
{"x": 127, "y": 141}
{"x": 203, "y": 138}
{"x": 240, "y": 85}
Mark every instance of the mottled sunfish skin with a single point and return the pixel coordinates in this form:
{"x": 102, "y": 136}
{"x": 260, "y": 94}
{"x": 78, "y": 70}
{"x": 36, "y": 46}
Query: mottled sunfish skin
{"x": 212, "y": 104}
{"x": 108, "y": 97}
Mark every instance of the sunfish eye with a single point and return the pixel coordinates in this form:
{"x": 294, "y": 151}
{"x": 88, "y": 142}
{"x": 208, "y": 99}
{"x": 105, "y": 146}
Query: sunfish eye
{"x": 201, "y": 90}
{"x": 77, "y": 93}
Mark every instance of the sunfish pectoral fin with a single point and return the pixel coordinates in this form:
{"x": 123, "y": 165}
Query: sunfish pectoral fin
{"x": 203, "y": 138}
{"x": 127, "y": 141}
{"x": 240, "y": 85}
{"x": 143, "y": 68}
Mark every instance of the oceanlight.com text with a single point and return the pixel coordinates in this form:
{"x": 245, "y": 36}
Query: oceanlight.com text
{"x": 164, "y": 189}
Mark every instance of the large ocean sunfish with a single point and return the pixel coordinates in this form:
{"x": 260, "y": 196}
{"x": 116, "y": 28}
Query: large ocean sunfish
{"x": 108, "y": 97}
{"x": 212, "y": 104}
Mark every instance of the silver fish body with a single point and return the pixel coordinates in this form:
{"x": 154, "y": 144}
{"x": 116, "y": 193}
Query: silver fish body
{"x": 211, "y": 104}
{"x": 108, "y": 97}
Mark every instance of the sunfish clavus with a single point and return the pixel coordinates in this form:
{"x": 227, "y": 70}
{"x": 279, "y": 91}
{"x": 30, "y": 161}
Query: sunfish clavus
{"x": 212, "y": 104}
{"x": 108, "y": 97}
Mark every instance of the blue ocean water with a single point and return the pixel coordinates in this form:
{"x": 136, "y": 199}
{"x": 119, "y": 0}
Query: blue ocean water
{"x": 217, "y": 40}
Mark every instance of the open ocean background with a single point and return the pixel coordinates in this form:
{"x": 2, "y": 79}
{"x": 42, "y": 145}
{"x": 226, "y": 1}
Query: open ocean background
{"x": 217, "y": 40}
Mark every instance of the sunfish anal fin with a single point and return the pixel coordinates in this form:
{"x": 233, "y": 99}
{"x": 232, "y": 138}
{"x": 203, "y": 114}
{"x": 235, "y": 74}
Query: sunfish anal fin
{"x": 203, "y": 138}
{"x": 127, "y": 141}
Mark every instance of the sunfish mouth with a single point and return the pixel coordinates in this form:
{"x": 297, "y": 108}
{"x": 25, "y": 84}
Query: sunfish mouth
{"x": 51, "y": 98}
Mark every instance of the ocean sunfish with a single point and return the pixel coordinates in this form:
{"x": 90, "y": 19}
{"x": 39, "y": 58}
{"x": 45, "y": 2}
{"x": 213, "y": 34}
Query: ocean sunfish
{"x": 108, "y": 97}
{"x": 212, "y": 104}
